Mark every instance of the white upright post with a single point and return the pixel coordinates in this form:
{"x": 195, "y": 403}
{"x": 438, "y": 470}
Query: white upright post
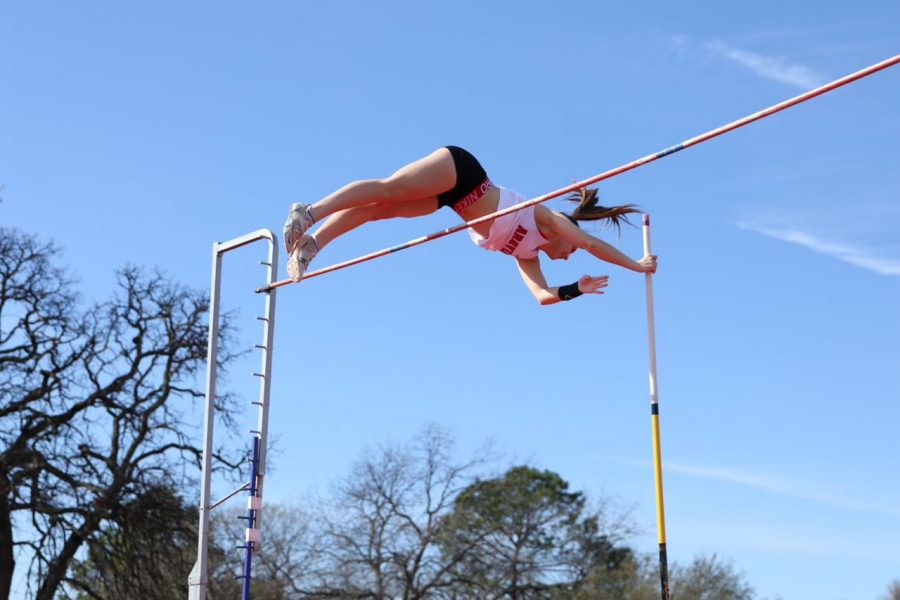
{"x": 198, "y": 582}
{"x": 265, "y": 382}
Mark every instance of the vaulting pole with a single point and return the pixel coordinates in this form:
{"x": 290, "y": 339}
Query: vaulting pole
{"x": 654, "y": 424}
{"x": 606, "y": 175}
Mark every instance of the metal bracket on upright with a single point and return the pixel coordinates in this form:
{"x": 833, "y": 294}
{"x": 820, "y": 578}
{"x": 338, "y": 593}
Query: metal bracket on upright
{"x": 198, "y": 581}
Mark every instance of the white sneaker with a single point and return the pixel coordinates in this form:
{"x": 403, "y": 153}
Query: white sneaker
{"x": 299, "y": 220}
{"x": 305, "y": 251}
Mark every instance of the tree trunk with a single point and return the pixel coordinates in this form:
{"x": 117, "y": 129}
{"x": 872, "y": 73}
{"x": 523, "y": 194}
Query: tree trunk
{"x": 59, "y": 566}
{"x": 7, "y": 558}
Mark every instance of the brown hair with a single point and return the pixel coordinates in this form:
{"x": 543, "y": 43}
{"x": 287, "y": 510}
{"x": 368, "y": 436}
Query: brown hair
{"x": 589, "y": 210}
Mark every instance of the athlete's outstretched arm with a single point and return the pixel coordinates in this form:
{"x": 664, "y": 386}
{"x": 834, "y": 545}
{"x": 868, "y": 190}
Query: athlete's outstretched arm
{"x": 573, "y": 234}
{"x": 533, "y": 276}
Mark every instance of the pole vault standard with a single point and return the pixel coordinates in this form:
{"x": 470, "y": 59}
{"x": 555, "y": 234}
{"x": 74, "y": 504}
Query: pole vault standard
{"x": 198, "y": 580}
{"x": 654, "y": 424}
{"x": 606, "y": 175}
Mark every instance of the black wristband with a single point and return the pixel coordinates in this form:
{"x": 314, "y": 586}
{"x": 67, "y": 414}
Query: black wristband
{"x": 567, "y": 292}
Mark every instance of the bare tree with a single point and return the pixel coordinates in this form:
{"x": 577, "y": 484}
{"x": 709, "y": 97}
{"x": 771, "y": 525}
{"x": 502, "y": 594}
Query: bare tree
{"x": 91, "y": 403}
{"x": 40, "y": 342}
{"x": 382, "y": 535}
{"x": 289, "y": 562}
{"x": 376, "y": 536}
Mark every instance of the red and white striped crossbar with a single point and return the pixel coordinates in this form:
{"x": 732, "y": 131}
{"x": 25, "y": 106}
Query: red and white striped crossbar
{"x": 606, "y": 175}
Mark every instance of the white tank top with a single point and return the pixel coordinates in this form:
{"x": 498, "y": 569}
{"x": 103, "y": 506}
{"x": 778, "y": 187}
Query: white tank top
{"x": 515, "y": 234}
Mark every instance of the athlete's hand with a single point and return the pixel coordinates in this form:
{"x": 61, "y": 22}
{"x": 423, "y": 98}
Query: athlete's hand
{"x": 592, "y": 285}
{"x": 648, "y": 264}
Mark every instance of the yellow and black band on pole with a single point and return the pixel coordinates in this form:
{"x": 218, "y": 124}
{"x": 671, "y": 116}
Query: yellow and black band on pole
{"x": 660, "y": 510}
{"x": 654, "y": 423}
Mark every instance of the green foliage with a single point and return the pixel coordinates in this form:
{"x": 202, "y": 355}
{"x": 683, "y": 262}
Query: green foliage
{"x": 634, "y": 578}
{"x": 145, "y": 551}
{"x": 525, "y": 535}
{"x": 708, "y": 578}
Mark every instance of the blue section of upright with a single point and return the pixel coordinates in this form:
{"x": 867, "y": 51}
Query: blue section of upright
{"x": 251, "y": 520}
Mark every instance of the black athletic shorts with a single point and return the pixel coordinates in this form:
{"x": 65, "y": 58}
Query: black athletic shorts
{"x": 469, "y": 175}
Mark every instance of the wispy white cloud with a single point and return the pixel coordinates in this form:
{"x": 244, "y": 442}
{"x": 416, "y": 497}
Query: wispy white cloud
{"x": 780, "y": 487}
{"x": 770, "y": 67}
{"x": 728, "y": 475}
{"x": 783, "y": 538}
{"x": 857, "y": 256}
{"x": 773, "y": 485}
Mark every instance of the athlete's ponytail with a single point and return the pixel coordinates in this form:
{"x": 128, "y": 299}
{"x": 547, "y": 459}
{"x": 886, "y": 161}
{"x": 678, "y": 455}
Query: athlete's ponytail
{"x": 589, "y": 210}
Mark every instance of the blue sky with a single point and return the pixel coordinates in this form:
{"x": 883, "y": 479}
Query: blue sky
{"x": 142, "y": 133}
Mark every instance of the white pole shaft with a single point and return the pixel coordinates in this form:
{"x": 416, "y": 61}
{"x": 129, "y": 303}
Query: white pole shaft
{"x": 651, "y": 323}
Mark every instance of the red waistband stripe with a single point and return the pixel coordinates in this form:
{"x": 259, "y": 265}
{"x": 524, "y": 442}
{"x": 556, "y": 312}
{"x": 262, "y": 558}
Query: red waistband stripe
{"x": 473, "y": 196}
